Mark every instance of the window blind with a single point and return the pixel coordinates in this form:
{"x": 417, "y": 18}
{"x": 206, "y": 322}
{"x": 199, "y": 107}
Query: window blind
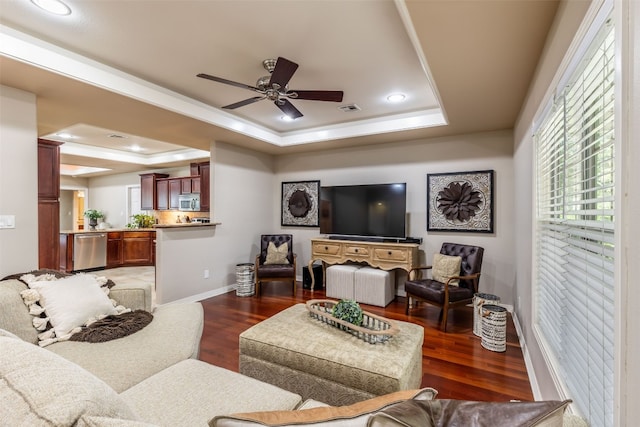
{"x": 574, "y": 281}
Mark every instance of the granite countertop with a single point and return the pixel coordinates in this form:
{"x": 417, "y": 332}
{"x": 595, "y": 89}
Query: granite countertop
{"x": 176, "y": 225}
{"x": 106, "y": 230}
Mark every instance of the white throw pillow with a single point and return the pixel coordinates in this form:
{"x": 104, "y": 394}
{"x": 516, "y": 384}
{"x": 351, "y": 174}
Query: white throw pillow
{"x": 73, "y": 301}
{"x": 445, "y": 266}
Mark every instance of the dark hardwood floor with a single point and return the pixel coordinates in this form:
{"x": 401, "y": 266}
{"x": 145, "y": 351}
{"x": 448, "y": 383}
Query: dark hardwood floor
{"x": 454, "y": 363}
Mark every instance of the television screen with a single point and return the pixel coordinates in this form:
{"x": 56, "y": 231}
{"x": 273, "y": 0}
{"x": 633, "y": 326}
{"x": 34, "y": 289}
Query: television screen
{"x": 377, "y": 210}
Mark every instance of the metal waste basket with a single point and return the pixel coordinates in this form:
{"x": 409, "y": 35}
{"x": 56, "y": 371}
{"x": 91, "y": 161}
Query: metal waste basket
{"x": 494, "y": 328}
{"x": 478, "y": 301}
{"x": 245, "y": 285}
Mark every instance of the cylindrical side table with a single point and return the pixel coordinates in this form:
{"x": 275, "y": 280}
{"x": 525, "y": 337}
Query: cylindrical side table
{"x": 244, "y": 280}
{"x": 478, "y": 301}
{"x": 494, "y": 327}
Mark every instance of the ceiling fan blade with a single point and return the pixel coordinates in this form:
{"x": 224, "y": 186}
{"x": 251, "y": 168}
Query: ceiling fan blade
{"x": 243, "y": 103}
{"x": 283, "y": 72}
{"x": 227, "y": 82}
{"x": 319, "y": 95}
{"x": 288, "y": 108}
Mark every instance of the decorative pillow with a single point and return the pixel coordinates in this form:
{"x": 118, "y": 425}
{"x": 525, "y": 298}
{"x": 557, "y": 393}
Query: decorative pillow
{"x": 436, "y": 413}
{"x": 277, "y": 255}
{"x": 67, "y": 304}
{"x": 341, "y": 416}
{"x": 445, "y": 266}
{"x": 38, "y": 387}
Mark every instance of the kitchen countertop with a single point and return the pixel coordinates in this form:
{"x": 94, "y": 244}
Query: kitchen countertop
{"x": 177, "y": 225}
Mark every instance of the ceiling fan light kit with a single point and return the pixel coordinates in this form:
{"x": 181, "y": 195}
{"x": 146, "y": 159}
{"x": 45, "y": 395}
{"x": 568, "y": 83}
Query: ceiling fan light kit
{"x": 275, "y": 87}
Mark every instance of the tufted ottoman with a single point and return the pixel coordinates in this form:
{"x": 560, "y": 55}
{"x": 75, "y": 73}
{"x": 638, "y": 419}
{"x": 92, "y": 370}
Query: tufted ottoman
{"x": 318, "y": 361}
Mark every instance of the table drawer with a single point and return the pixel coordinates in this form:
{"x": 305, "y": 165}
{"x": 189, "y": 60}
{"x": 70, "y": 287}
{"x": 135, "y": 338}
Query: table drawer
{"x": 391, "y": 254}
{"x": 356, "y": 250}
{"x": 326, "y": 249}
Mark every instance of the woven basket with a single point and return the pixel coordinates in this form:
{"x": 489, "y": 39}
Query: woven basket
{"x": 494, "y": 328}
{"x": 374, "y": 329}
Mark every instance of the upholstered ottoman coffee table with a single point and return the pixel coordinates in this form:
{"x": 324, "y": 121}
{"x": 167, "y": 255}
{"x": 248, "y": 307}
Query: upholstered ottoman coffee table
{"x": 318, "y": 361}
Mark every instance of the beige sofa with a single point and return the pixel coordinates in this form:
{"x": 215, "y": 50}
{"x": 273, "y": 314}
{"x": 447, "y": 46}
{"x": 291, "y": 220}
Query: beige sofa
{"x": 151, "y": 377}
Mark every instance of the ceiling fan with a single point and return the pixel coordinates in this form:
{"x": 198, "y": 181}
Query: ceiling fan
{"x": 275, "y": 87}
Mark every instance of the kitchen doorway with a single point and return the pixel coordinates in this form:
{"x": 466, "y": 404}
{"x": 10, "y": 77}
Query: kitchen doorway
{"x": 73, "y": 203}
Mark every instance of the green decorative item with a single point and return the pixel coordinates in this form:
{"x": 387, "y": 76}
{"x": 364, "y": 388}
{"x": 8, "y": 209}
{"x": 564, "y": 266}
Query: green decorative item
{"x": 141, "y": 221}
{"x": 93, "y": 216}
{"x": 348, "y": 310}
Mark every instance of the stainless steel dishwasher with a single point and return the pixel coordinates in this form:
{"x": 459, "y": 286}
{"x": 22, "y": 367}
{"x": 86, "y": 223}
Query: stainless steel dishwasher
{"x": 89, "y": 251}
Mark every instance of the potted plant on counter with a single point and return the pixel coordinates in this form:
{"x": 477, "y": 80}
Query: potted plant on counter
{"x": 141, "y": 221}
{"x": 93, "y": 216}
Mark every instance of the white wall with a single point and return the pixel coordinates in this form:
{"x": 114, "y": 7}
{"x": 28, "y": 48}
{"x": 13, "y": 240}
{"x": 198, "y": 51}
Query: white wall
{"x": 242, "y": 198}
{"x": 410, "y": 162}
{"x": 18, "y": 180}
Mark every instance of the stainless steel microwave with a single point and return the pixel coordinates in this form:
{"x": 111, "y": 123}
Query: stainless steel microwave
{"x": 189, "y": 202}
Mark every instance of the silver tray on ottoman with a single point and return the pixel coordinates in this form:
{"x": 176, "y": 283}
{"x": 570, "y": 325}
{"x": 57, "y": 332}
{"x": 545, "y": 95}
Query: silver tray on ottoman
{"x": 374, "y": 329}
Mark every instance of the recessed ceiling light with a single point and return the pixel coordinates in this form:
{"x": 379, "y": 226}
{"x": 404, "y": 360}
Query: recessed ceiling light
{"x": 53, "y": 6}
{"x": 135, "y": 147}
{"x": 287, "y": 118}
{"x": 65, "y": 135}
{"x": 396, "y": 97}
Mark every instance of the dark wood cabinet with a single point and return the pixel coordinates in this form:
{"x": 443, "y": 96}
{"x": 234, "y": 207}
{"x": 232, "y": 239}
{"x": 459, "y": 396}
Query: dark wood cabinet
{"x": 48, "y": 204}
{"x": 114, "y": 249}
{"x": 205, "y": 193}
{"x": 175, "y": 189}
{"x": 137, "y": 247}
{"x": 190, "y": 184}
{"x": 162, "y": 194}
{"x": 148, "y": 190}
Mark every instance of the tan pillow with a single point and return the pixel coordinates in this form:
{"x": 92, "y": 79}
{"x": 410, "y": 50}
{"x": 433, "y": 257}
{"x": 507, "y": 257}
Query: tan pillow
{"x": 445, "y": 266}
{"x": 471, "y": 414}
{"x": 332, "y": 416}
{"x": 277, "y": 255}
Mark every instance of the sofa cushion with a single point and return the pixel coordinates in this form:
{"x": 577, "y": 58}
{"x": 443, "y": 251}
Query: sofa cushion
{"x": 14, "y": 315}
{"x": 353, "y": 415}
{"x": 440, "y": 413}
{"x": 172, "y": 336}
{"x": 72, "y": 301}
{"x": 41, "y": 388}
{"x": 192, "y": 392}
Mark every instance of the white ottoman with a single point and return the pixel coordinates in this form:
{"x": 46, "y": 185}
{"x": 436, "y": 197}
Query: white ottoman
{"x": 374, "y": 286}
{"x": 340, "y": 281}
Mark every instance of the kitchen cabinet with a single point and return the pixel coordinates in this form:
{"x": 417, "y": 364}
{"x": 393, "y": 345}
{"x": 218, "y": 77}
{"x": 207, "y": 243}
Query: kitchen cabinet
{"x": 48, "y": 204}
{"x": 190, "y": 184}
{"x": 162, "y": 194}
{"x": 115, "y": 249}
{"x": 148, "y": 190}
{"x": 205, "y": 193}
{"x": 137, "y": 247}
{"x": 124, "y": 249}
{"x": 175, "y": 189}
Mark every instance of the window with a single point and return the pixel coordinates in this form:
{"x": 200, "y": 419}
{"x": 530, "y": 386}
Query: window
{"x": 574, "y": 252}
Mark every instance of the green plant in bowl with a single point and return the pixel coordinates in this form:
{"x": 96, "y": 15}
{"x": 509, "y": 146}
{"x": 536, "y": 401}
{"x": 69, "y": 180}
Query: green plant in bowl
{"x": 349, "y": 311}
{"x": 141, "y": 221}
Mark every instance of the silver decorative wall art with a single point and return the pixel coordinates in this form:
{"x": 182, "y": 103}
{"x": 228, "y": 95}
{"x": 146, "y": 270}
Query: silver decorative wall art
{"x": 300, "y": 203}
{"x": 460, "y": 201}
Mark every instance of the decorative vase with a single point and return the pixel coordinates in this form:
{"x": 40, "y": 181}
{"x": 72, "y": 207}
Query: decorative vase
{"x": 92, "y": 223}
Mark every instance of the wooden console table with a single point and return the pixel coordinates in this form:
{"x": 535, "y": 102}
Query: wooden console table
{"x": 386, "y": 256}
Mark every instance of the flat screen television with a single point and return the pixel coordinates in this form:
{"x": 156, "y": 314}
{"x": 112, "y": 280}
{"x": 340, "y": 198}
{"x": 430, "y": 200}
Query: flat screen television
{"x": 376, "y": 210}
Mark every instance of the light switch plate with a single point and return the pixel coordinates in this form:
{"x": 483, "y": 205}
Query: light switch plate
{"x": 7, "y": 221}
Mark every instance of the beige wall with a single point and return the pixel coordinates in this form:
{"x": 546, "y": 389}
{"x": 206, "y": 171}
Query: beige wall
{"x": 18, "y": 180}
{"x": 242, "y": 198}
{"x": 410, "y": 162}
{"x": 569, "y": 18}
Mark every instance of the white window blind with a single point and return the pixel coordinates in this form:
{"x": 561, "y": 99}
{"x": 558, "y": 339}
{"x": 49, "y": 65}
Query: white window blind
{"x": 575, "y": 233}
